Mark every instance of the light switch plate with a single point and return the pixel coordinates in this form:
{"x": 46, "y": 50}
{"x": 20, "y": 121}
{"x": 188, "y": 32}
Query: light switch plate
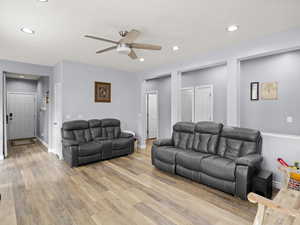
{"x": 289, "y": 119}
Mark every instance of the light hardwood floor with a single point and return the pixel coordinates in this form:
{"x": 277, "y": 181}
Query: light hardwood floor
{"x": 37, "y": 188}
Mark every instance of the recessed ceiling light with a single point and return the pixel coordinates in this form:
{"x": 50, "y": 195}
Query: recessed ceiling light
{"x": 21, "y": 76}
{"x": 175, "y": 48}
{"x": 43, "y": 0}
{"x": 142, "y": 59}
{"x": 27, "y": 30}
{"x": 232, "y": 28}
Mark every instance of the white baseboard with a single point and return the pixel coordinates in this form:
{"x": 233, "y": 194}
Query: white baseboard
{"x": 43, "y": 143}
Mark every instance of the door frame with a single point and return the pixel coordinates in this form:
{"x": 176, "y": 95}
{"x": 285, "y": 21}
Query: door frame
{"x": 212, "y": 98}
{"x": 35, "y": 107}
{"x": 193, "y": 101}
{"x": 157, "y": 107}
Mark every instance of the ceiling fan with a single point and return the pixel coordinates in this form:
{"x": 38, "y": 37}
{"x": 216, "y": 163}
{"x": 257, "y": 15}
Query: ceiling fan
{"x": 126, "y": 44}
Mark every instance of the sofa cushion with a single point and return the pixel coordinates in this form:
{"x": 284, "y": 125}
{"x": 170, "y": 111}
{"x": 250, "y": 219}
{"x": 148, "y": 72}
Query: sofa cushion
{"x": 207, "y": 137}
{"x": 167, "y": 154}
{"x": 190, "y": 159}
{"x": 183, "y": 135}
{"x": 219, "y": 167}
{"x": 110, "y": 128}
{"x": 89, "y": 148}
{"x": 121, "y": 143}
{"x": 76, "y": 130}
{"x": 237, "y": 142}
{"x": 95, "y": 127}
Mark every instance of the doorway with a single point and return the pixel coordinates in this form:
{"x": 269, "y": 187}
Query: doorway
{"x": 152, "y": 114}
{"x": 26, "y": 109}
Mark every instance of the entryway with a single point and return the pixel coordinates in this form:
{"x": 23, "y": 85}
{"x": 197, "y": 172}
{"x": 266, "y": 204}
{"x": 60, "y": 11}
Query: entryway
{"x": 152, "y": 114}
{"x": 26, "y": 99}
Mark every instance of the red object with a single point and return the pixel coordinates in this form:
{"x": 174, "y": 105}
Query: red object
{"x": 282, "y": 162}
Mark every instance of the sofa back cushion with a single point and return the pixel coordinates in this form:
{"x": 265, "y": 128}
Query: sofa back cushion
{"x": 95, "y": 128}
{"x": 110, "y": 128}
{"x": 77, "y": 130}
{"x": 183, "y": 135}
{"x": 207, "y": 137}
{"x": 237, "y": 142}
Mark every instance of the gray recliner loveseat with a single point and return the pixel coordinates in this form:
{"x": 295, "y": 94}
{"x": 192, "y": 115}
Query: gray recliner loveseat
{"x": 94, "y": 140}
{"x": 225, "y": 158}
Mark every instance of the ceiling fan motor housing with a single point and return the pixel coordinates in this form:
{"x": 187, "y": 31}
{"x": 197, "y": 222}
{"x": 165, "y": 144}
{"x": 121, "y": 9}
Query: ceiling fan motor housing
{"x": 123, "y": 49}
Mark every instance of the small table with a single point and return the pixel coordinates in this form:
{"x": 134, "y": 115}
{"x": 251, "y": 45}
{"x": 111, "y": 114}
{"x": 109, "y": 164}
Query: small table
{"x": 262, "y": 183}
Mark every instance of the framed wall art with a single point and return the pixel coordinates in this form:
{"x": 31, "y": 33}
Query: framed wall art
{"x": 254, "y": 91}
{"x": 269, "y": 91}
{"x": 102, "y": 92}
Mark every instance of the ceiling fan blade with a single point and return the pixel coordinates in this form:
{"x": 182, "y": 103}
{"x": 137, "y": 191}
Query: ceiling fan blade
{"x": 106, "y": 49}
{"x": 101, "y": 39}
{"x": 132, "y": 55}
{"x": 130, "y": 37}
{"x": 145, "y": 46}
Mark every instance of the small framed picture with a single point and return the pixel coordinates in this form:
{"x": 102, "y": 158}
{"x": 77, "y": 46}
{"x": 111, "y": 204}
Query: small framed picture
{"x": 102, "y": 92}
{"x": 254, "y": 91}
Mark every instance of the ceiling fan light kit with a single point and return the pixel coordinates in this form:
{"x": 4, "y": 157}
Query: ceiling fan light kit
{"x": 126, "y": 44}
{"x": 123, "y": 49}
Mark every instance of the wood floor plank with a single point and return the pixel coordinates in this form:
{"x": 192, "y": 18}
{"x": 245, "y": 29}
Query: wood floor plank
{"x": 39, "y": 189}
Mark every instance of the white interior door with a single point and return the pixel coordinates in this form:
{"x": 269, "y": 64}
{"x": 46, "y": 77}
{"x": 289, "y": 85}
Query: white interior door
{"x": 187, "y": 104}
{"x": 21, "y": 113}
{"x": 152, "y": 115}
{"x": 203, "y": 103}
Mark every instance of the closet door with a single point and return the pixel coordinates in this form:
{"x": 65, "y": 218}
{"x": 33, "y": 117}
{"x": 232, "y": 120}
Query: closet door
{"x": 204, "y": 103}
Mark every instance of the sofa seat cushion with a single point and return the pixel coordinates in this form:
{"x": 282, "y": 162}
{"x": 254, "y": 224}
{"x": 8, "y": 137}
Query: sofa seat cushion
{"x": 99, "y": 139}
{"x": 121, "y": 143}
{"x": 167, "y": 154}
{"x": 89, "y": 148}
{"x": 190, "y": 159}
{"x": 219, "y": 167}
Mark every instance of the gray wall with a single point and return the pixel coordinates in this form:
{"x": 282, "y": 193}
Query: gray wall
{"x": 270, "y": 115}
{"x": 21, "y": 85}
{"x": 217, "y": 76}
{"x": 163, "y": 86}
{"x": 78, "y": 93}
{"x": 42, "y": 115}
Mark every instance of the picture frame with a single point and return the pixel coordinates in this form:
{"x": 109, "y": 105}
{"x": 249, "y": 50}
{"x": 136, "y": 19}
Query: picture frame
{"x": 102, "y": 92}
{"x": 254, "y": 91}
{"x": 269, "y": 91}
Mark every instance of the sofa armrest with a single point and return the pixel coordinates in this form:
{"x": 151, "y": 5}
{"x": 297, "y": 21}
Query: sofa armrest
{"x": 163, "y": 142}
{"x": 253, "y": 160}
{"x": 126, "y": 135}
{"x": 69, "y": 142}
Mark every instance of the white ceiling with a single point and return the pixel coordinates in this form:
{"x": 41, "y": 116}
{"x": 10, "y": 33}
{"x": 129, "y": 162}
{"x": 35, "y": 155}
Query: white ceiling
{"x": 196, "y": 26}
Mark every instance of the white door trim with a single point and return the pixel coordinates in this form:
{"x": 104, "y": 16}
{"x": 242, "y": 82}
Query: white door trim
{"x": 212, "y": 98}
{"x": 157, "y": 107}
{"x": 193, "y": 100}
{"x": 35, "y": 106}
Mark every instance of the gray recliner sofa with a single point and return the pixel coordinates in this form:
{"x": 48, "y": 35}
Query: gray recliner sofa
{"x": 94, "y": 140}
{"x": 225, "y": 158}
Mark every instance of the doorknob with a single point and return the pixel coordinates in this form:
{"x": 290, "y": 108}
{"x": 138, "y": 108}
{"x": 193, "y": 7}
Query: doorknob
{"x": 10, "y": 116}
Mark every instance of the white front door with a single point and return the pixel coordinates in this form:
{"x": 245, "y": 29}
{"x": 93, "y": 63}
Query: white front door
{"x": 21, "y": 113}
{"x": 203, "y": 103}
{"x": 152, "y": 115}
